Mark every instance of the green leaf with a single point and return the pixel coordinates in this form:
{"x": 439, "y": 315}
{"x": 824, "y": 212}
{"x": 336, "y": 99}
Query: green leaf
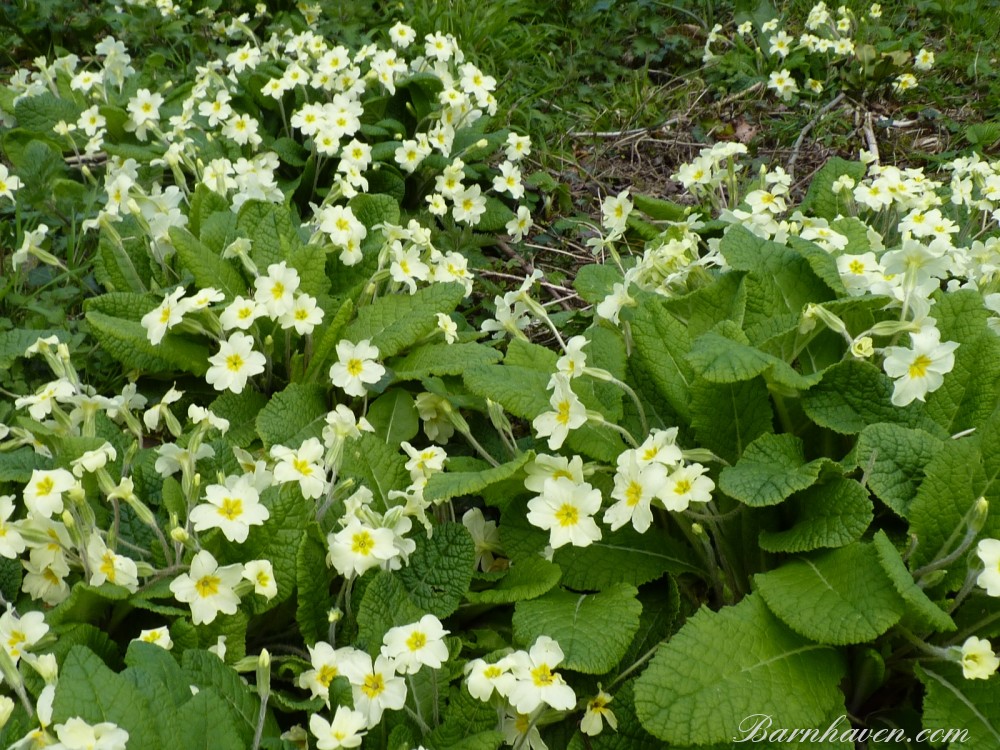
{"x": 820, "y": 199}
{"x": 241, "y": 409}
{"x": 465, "y": 720}
{"x": 374, "y": 209}
{"x": 526, "y": 579}
{"x": 661, "y": 344}
{"x": 954, "y": 480}
{"x": 209, "y": 723}
{"x": 384, "y": 604}
{"x": 397, "y": 321}
{"x": 596, "y": 281}
{"x": 659, "y": 209}
{"x": 893, "y": 458}
{"x": 119, "y": 270}
{"x": 204, "y": 203}
{"x": 495, "y": 217}
{"x": 156, "y": 663}
{"x": 208, "y": 269}
{"x": 394, "y": 416}
{"x": 827, "y": 515}
{"x": 310, "y": 262}
{"x": 10, "y": 578}
{"x": 728, "y": 417}
{"x": 593, "y": 630}
{"x": 970, "y": 391}
{"x": 327, "y": 342}
{"x": 17, "y": 465}
{"x": 953, "y": 703}
{"x": 88, "y": 689}
{"x": 442, "y": 359}
{"x": 724, "y": 666}
{"x": 312, "y": 580}
{"x": 206, "y": 670}
{"x": 292, "y": 416}
{"x": 771, "y": 469}
{"x": 380, "y": 467}
{"x": 126, "y": 341}
{"x": 854, "y": 394}
{"x": 41, "y": 113}
{"x": 723, "y": 356}
{"x": 277, "y": 540}
{"x": 271, "y": 230}
{"x": 622, "y": 556}
{"x": 439, "y": 571}
{"x": 839, "y": 597}
{"x": 446, "y": 485}
{"x": 918, "y": 604}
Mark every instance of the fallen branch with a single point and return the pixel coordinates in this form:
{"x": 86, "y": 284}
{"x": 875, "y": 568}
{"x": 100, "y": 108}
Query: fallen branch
{"x": 809, "y": 126}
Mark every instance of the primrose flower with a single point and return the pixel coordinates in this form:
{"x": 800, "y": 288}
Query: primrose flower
{"x": 635, "y": 487}
{"x": 357, "y": 548}
{"x": 276, "y": 290}
{"x": 597, "y": 713}
{"x": 686, "y": 485}
{"x": 414, "y": 646}
{"x": 988, "y": 551}
{"x": 977, "y": 659}
{"x": 783, "y": 84}
{"x": 469, "y": 205}
{"x": 565, "y": 509}
{"x": 303, "y": 466}
{"x": 615, "y": 211}
{"x": 9, "y": 183}
{"x": 208, "y": 588}
{"x": 520, "y": 224}
{"x": 232, "y": 508}
{"x": 157, "y": 636}
{"x": 518, "y": 147}
{"x": 376, "y": 687}
{"x": 920, "y": 370}
{"x": 482, "y": 678}
{"x": 355, "y": 367}
{"x": 485, "y": 536}
{"x": 17, "y": 634}
{"x": 162, "y": 318}
{"x": 304, "y": 316}
{"x": 924, "y": 60}
{"x": 43, "y": 495}
{"x": 536, "y": 684}
{"x": 568, "y": 413}
{"x": 235, "y": 362}
{"x": 106, "y": 565}
{"x": 76, "y": 734}
{"x": 261, "y": 574}
{"x": 327, "y": 663}
{"x": 12, "y": 544}
{"x": 344, "y": 731}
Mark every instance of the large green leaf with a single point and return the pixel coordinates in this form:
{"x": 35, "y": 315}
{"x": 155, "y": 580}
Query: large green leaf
{"x": 724, "y": 666}
{"x": 90, "y": 690}
{"x": 839, "y": 597}
{"x": 820, "y": 199}
{"x": 439, "y": 571}
{"x": 661, "y": 345}
{"x": 394, "y": 416}
{"x": 378, "y": 466}
{"x": 271, "y": 230}
{"x": 126, "y": 341}
{"x": 312, "y": 579}
{"x": 593, "y": 630}
{"x": 918, "y": 605}
{"x": 727, "y": 417}
{"x": 446, "y": 485}
{"x": 826, "y": 515}
{"x": 384, "y": 604}
{"x": 292, "y": 416}
{"x": 206, "y": 670}
{"x": 398, "y": 321}
{"x": 208, "y": 269}
{"x": 526, "y": 579}
{"x": 893, "y": 458}
{"x": 772, "y": 468}
{"x": 442, "y": 359}
{"x": 953, "y": 704}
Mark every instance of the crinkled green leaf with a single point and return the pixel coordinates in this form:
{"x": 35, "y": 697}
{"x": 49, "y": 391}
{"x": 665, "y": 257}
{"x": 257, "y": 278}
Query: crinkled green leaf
{"x": 204, "y": 203}
{"x": 272, "y": 233}
{"x": 495, "y": 217}
{"x": 661, "y": 344}
{"x": 326, "y": 342}
{"x": 156, "y": 663}
{"x": 854, "y": 394}
{"x": 728, "y": 417}
{"x": 10, "y": 578}
{"x": 394, "y": 416}
{"x": 447, "y": 484}
{"x": 14, "y": 343}
{"x": 893, "y": 458}
{"x": 41, "y": 113}
{"x": 395, "y": 322}
{"x": 826, "y": 515}
{"x": 839, "y": 597}
{"x": 233, "y": 628}
{"x": 241, "y": 409}
{"x": 623, "y": 556}
{"x": 970, "y": 391}
{"x": 526, "y": 579}
{"x": 954, "y": 480}
{"x": 658, "y": 208}
{"x": 465, "y": 720}
{"x": 209, "y": 723}
{"x": 820, "y": 199}
{"x": 206, "y": 670}
{"x": 310, "y": 262}
{"x": 378, "y": 466}
{"x": 385, "y": 604}
{"x": 953, "y": 703}
{"x": 439, "y": 571}
{"x": 771, "y": 469}
{"x": 86, "y": 603}
{"x": 593, "y": 630}
{"x": 918, "y": 604}
{"x": 89, "y": 689}
{"x": 312, "y": 579}
{"x": 724, "y": 299}
{"x": 118, "y": 269}
{"x": 292, "y": 416}
{"x": 723, "y": 356}
{"x": 596, "y": 281}
{"x": 126, "y": 341}
{"x": 442, "y": 359}
{"x": 724, "y": 666}
{"x": 17, "y": 465}
{"x": 208, "y": 269}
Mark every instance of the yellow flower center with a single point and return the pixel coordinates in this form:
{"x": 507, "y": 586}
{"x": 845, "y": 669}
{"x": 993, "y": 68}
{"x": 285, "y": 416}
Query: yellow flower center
{"x": 232, "y": 508}
{"x": 633, "y": 494}
{"x": 362, "y": 543}
{"x": 45, "y": 486}
{"x": 278, "y": 290}
{"x": 234, "y": 362}
{"x": 562, "y": 412}
{"x": 918, "y": 368}
{"x": 326, "y": 675}
{"x": 15, "y": 640}
{"x": 542, "y": 676}
{"x": 165, "y": 314}
{"x": 416, "y": 641}
{"x": 302, "y": 466}
{"x": 857, "y": 266}
{"x": 682, "y": 487}
{"x": 568, "y": 515}
{"x": 374, "y": 685}
{"x": 354, "y": 367}
{"x": 492, "y": 672}
{"x": 207, "y": 586}
{"x": 108, "y": 565}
